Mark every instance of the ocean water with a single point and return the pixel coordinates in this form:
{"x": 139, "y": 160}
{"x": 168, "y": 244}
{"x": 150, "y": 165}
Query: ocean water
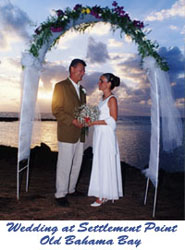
{"x": 133, "y": 136}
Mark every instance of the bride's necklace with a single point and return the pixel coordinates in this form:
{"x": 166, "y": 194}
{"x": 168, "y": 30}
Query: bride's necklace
{"x": 105, "y": 97}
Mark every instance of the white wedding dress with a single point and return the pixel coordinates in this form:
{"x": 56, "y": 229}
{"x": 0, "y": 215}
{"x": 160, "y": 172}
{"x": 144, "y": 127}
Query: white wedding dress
{"x": 106, "y": 180}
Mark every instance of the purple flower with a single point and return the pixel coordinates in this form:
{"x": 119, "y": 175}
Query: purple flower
{"x": 142, "y": 25}
{"x": 138, "y": 24}
{"x": 77, "y": 6}
{"x": 54, "y": 29}
{"x": 95, "y": 14}
{"x": 122, "y": 13}
{"x": 119, "y": 10}
{"x": 127, "y": 16}
{"x": 59, "y": 12}
{"x": 114, "y": 4}
{"x": 96, "y": 11}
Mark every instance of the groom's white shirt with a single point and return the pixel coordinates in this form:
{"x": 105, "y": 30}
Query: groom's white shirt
{"x": 76, "y": 86}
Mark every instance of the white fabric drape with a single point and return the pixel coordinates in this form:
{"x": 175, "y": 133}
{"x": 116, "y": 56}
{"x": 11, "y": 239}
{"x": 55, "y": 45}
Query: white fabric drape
{"x": 162, "y": 105}
{"x": 29, "y": 96}
{"x": 152, "y": 171}
{"x": 172, "y": 132}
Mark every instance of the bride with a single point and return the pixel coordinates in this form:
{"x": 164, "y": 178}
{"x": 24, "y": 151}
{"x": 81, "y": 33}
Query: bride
{"x": 106, "y": 180}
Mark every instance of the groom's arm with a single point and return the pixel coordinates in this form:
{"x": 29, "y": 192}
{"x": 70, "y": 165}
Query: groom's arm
{"x": 58, "y": 106}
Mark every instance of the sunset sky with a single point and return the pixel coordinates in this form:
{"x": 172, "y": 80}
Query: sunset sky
{"x": 103, "y": 50}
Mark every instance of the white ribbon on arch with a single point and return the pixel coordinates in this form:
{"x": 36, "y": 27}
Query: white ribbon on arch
{"x": 162, "y": 103}
{"x": 163, "y": 106}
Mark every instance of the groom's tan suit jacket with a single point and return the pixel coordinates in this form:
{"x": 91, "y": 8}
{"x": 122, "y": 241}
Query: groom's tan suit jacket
{"x": 64, "y": 102}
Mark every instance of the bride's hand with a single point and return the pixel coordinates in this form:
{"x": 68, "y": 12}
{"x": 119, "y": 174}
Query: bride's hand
{"x": 90, "y": 124}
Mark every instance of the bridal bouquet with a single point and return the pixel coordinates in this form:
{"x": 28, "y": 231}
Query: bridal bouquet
{"x": 87, "y": 113}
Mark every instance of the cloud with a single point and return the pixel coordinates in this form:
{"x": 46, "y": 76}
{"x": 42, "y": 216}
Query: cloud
{"x": 66, "y": 41}
{"x": 173, "y": 27}
{"x": 115, "y": 44}
{"x": 96, "y": 51}
{"x": 13, "y": 76}
{"x": 53, "y": 73}
{"x": 176, "y": 62}
{"x": 118, "y": 57}
{"x": 13, "y": 24}
{"x": 90, "y": 81}
{"x": 177, "y": 9}
{"x": 99, "y": 28}
{"x": 3, "y": 40}
{"x": 14, "y": 62}
{"x": 179, "y": 89}
{"x": 128, "y": 39}
{"x": 183, "y": 30}
{"x": 133, "y": 101}
{"x": 131, "y": 72}
{"x": 134, "y": 93}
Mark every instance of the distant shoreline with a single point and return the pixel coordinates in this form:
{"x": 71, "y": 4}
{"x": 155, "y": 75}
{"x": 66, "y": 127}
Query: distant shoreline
{"x": 14, "y": 119}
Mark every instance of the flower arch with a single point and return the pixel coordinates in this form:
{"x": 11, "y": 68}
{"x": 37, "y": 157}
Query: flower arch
{"x": 80, "y": 18}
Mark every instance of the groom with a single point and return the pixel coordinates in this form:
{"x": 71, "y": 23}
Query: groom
{"x": 69, "y": 95}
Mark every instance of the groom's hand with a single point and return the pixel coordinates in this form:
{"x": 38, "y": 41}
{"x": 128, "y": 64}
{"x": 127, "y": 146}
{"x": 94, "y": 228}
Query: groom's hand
{"x": 77, "y": 124}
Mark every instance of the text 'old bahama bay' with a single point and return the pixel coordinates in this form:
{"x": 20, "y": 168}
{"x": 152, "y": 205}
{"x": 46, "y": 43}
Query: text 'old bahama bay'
{"x": 93, "y": 234}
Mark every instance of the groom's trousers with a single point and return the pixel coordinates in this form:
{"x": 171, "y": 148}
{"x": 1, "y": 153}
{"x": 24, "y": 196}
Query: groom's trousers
{"x": 68, "y": 167}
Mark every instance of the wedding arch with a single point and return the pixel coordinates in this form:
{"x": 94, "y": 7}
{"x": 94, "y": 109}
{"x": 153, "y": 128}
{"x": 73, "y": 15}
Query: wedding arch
{"x": 80, "y": 18}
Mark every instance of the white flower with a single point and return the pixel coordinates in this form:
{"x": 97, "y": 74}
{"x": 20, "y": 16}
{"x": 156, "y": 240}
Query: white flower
{"x": 86, "y": 113}
{"x": 84, "y": 90}
{"x": 28, "y": 60}
{"x": 64, "y": 17}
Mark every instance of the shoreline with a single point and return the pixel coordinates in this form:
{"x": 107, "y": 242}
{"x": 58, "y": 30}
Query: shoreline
{"x": 39, "y": 202}
{"x": 14, "y": 119}
{"x": 162, "y": 159}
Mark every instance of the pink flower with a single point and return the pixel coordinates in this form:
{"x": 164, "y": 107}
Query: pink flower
{"x": 54, "y": 29}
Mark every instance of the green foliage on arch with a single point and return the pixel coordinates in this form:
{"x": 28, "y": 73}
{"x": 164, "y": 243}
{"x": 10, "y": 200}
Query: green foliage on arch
{"x": 116, "y": 16}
